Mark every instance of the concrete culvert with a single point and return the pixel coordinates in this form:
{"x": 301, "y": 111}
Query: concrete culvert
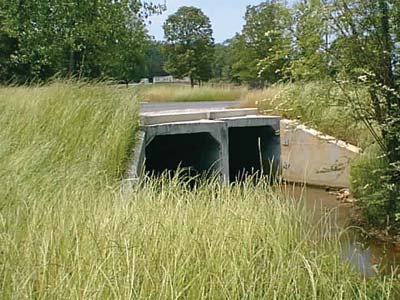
{"x": 195, "y": 153}
{"x": 252, "y": 150}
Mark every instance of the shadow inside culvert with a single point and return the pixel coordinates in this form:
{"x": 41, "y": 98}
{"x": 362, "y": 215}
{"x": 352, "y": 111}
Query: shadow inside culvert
{"x": 253, "y": 151}
{"x": 195, "y": 154}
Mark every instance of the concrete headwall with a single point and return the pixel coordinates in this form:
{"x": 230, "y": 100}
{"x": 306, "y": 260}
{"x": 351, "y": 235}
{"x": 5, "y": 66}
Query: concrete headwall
{"x": 310, "y": 157}
{"x": 209, "y": 141}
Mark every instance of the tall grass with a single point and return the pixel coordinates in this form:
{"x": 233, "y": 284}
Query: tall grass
{"x": 321, "y": 105}
{"x": 184, "y": 93}
{"x": 166, "y": 242}
{"x": 67, "y": 232}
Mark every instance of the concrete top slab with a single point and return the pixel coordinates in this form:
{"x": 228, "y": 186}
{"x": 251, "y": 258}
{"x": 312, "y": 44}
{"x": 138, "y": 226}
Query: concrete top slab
{"x": 251, "y": 116}
{"x": 185, "y": 127}
{"x": 152, "y": 118}
{"x": 189, "y": 123}
{"x": 213, "y": 127}
{"x": 253, "y": 121}
{"x": 181, "y": 111}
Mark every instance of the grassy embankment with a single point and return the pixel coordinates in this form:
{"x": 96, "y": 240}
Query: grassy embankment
{"x": 66, "y": 231}
{"x": 321, "y": 105}
{"x": 184, "y": 93}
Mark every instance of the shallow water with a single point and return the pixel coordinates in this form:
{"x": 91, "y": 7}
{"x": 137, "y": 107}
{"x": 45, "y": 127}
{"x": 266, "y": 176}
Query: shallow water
{"x": 368, "y": 257}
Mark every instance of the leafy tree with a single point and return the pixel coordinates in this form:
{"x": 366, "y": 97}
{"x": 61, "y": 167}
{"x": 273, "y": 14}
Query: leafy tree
{"x": 189, "y": 47}
{"x": 366, "y": 52}
{"x": 221, "y": 66}
{"x": 126, "y": 57}
{"x": 309, "y": 59}
{"x": 80, "y": 38}
{"x": 154, "y": 60}
{"x": 245, "y": 62}
{"x": 8, "y": 46}
{"x": 262, "y": 50}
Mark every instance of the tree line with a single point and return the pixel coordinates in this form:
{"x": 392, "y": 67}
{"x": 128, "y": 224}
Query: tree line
{"x": 102, "y": 38}
{"x": 311, "y": 40}
{"x": 280, "y": 43}
{"x": 86, "y": 39}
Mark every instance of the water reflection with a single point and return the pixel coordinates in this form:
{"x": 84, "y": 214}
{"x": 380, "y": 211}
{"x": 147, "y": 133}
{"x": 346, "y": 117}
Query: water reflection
{"x": 369, "y": 258}
{"x": 360, "y": 257}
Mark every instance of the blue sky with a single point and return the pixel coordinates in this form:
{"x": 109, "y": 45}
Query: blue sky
{"x": 226, "y": 15}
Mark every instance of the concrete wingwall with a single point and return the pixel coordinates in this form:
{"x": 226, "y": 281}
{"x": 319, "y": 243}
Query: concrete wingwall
{"x": 310, "y": 157}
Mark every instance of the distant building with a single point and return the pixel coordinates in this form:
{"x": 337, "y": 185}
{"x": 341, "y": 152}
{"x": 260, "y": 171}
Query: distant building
{"x": 163, "y": 79}
{"x": 144, "y": 81}
{"x": 170, "y": 79}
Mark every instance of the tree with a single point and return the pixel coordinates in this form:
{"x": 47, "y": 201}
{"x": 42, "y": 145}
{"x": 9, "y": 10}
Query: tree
{"x": 126, "y": 56}
{"x": 367, "y": 54}
{"x": 76, "y": 38}
{"x": 8, "y": 46}
{"x": 221, "y": 66}
{"x": 245, "y": 62}
{"x": 262, "y": 49}
{"x": 189, "y": 47}
{"x": 154, "y": 60}
{"x": 309, "y": 58}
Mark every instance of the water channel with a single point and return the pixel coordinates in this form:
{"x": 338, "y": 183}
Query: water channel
{"x": 368, "y": 257}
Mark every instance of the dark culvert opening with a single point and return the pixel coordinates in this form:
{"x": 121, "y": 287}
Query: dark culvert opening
{"x": 194, "y": 154}
{"x": 251, "y": 152}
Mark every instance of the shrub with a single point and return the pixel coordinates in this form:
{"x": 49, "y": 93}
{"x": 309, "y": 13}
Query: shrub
{"x": 366, "y": 176}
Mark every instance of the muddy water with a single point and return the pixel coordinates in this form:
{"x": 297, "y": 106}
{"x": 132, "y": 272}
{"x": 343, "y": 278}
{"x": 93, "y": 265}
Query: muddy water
{"x": 369, "y": 258}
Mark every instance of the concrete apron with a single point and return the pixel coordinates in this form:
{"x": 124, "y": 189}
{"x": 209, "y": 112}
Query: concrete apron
{"x": 231, "y": 142}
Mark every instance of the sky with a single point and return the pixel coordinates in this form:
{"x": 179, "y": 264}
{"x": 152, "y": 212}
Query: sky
{"x": 227, "y": 16}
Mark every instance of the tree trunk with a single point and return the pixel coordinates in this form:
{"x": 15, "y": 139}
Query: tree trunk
{"x": 391, "y": 138}
{"x": 71, "y": 65}
{"x": 191, "y": 81}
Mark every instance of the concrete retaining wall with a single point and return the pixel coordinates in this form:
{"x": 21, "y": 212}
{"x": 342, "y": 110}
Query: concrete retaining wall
{"x": 310, "y": 157}
{"x": 136, "y": 164}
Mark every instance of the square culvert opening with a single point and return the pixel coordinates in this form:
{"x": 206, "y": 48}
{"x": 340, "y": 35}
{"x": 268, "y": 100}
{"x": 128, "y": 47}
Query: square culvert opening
{"x": 195, "y": 154}
{"x": 252, "y": 150}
